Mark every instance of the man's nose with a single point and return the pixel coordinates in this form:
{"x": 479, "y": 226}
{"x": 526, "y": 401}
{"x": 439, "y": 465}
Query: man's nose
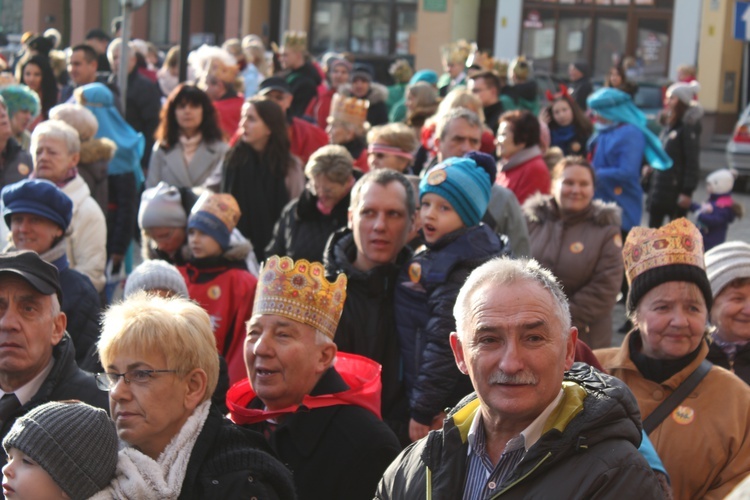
{"x": 511, "y": 361}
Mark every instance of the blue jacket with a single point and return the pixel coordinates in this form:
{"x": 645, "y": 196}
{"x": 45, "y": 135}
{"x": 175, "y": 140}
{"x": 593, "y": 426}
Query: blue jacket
{"x": 617, "y": 159}
{"x": 426, "y": 291}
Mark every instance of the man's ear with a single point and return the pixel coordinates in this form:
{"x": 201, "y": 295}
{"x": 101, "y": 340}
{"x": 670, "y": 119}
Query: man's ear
{"x": 59, "y": 323}
{"x": 326, "y": 356}
{"x": 570, "y": 347}
{"x": 458, "y": 353}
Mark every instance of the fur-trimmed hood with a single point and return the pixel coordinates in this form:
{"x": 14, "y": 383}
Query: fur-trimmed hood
{"x": 693, "y": 114}
{"x": 542, "y": 208}
{"x": 378, "y": 93}
{"x": 95, "y": 150}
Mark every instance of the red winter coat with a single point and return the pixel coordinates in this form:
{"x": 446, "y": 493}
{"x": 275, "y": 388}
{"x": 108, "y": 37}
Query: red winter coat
{"x": 527, "y": 177}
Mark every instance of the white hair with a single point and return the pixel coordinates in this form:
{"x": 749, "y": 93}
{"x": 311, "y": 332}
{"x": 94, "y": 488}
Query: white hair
{"x": 504, "y": 271}
{"x": 57, "y": 130}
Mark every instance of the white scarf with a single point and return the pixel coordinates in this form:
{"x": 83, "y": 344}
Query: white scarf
{"x": 143, "y": 478}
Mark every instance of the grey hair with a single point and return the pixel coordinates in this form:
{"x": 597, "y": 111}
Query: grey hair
{"x": 114, "y": 45}
{"x": 57, "y": 130}
{"x": 384, "y": 176}
{"x": 322, "y": 339}
{"x": 333, "y": 161}
{"x": 443, "y": 121}
{"x": 55, "y": 308}
{"x": 504, "y": 271}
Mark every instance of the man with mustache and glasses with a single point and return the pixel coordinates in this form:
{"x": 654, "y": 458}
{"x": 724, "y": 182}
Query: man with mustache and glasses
{"x": 538, "y": 425}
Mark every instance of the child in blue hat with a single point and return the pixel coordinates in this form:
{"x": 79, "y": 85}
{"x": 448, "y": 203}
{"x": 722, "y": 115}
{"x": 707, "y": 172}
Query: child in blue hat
{"x": 454, "y": 196}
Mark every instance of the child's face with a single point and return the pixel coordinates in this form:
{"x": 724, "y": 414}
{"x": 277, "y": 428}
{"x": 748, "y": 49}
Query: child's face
{"x": 23, "y": 478}
{"x": 438, "y": 217}
{"x": 202, "y": 245}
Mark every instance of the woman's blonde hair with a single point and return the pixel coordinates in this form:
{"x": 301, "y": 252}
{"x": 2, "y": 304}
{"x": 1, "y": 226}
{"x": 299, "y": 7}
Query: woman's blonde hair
{"x": 178, "y": 328}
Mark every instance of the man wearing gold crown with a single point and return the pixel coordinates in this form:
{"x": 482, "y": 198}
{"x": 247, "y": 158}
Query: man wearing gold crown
{"x": 347, "y": 126}
{"x": 454, "y": 57}
{"x": 320, "y": 411}
{"x": 301, "y": 75}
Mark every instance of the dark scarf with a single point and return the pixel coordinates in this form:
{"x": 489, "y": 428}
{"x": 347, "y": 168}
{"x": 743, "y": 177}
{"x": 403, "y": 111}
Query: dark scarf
{"x": 561, "y": 136}
{"x": 657, "y": 370}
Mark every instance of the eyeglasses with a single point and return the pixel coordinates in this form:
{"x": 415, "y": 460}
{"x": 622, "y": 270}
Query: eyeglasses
{"x": 107, "y": 381}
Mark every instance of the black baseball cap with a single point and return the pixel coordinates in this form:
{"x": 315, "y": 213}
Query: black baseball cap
{"x": 273, "y": 83}
{"x": 38, "y": 273}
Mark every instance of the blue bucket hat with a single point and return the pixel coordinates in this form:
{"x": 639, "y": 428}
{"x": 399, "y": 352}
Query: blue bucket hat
{"x": 38, "y": 197}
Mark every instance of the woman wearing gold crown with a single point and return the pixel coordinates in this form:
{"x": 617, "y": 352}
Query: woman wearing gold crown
{"x": 703, "y": 433}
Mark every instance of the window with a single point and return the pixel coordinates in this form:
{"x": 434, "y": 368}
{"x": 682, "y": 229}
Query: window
{"x": 11, "y": 16}
{"x": 377, "y": 27}
{"x": 158, "y": 21}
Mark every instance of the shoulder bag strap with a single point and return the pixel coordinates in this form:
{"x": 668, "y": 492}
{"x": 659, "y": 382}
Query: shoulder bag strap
{"x": 674, "y": 399}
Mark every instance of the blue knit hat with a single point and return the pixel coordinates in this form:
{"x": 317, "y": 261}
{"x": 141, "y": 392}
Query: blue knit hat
{"x": 38, "y": 197}
{"x": 424, "y": 75}
{"x": 215, "y": 214}
{"x": 464, "y": 184}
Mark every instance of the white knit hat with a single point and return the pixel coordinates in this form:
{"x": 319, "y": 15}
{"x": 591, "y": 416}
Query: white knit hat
{"x": 155, "y": 274}
{"x": 161, "y": 206}
{"x": 726, "y": 263}
{"x": 685, "y": 92}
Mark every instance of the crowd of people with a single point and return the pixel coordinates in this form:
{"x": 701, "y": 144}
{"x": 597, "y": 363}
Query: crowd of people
{"x": 347, "y": 289}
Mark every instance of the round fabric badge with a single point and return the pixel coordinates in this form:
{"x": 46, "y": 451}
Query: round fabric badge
{"x": 576, "y": 247}
{"x": 683, "y": 415}
{"x": 618, "y": 240}
{"x": 673, "y": 135}
{"x": 436, "y": 177}
{"x": 214, "y": 292}
{"x": 415, "y": 272}
{"x": 575, "y": 147}
{"x": 618, "y": 191}
{"x": 23, "y": 169}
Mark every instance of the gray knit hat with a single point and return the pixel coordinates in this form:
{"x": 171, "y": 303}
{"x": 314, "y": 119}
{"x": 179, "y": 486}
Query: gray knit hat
{"x": 161, "y": 206}
{"x": 726, "y": 263}
{"x": 153, "y": 274}
{"x": 74, "y": 442}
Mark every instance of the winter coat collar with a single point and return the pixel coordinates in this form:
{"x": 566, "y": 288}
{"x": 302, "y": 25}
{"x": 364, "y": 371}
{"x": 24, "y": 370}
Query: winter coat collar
{"x": 542, "y": 208}
{"x": 377, "y": 93}
{"x": 95, "y": 150}
{"x": 354, "y": 380}
{"x": 521, "y": 157}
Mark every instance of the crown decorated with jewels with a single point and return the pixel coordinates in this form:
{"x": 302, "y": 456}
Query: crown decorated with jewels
{"x": 678, "y": 242}
{"x": 300, "y": 291}
{"x": 295, "y": 40}
{"x": 349, "y": 110}
{"x": 457, "y": 52}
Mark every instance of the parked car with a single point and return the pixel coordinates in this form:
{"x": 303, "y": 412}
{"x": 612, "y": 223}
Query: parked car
{"x": 738, "y": 146}
{"x": 649, "y": 98}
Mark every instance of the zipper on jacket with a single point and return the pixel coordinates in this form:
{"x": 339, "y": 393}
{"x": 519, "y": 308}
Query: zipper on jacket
{"x": 549, "y": 454}
{"x": 428, "y": 481}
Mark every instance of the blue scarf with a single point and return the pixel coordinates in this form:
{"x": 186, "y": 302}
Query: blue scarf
{"x": 130, "y": 144}
{"x": 561, "y": 136}
{"x": 617, "y": 107}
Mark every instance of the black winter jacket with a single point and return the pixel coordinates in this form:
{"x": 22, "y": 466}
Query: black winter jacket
{"x": 228, "y": 461}
{"x": 65, "y": 381}
{"x": 425, "y": 294}
{"x": 682, "y": 143}
{"x": 122, "y": 209}
{"x": 302, "y": 230}
{"x": 303, "y": 83}
{"x": 334, "y": 452}
{"x": 15, "y": 163}
{"x": 589, "y": 451}
{"x": 367, "y": 326}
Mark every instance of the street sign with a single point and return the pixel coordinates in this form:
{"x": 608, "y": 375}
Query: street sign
{"x": 742, "y": 21}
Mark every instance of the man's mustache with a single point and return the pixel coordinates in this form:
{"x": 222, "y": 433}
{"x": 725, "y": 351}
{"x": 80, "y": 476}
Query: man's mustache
{"x": 523, "y": 378}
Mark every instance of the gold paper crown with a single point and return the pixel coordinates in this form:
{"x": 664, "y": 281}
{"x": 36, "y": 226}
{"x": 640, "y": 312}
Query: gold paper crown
{"x": 401, "y": 71}
{"x": 349, "y": 110}
{"x": 456, "y": 52}
{"x": 222, "y": 206}
{"x": 300, "y": 291}
{"x": 679, "y": 242}
{"x": 295, "y": 40}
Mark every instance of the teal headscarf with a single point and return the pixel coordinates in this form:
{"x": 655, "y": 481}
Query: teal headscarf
{"x": 617, "y": 106}
{"x": 130, "y": 144}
